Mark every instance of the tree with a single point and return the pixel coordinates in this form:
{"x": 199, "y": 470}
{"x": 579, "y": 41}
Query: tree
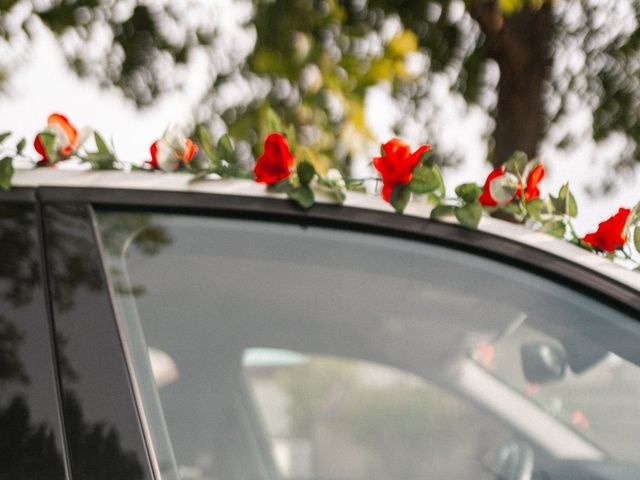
{"x": 314, "y": 60}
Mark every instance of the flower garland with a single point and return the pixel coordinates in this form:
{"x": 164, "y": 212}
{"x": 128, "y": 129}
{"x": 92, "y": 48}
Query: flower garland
{"x": 510, "y": 191}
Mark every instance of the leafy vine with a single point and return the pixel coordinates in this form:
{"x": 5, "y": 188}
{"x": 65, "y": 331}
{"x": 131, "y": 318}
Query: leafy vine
{"x": 509, "y": 192}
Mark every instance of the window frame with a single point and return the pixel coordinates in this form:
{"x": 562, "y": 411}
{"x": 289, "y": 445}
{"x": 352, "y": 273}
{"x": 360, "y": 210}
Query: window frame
{"x": 503, "y": 250}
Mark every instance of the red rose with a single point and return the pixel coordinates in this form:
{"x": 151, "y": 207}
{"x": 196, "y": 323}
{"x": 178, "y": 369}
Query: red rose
{"x": 611, "y": 233}
{"x": 276, "y": 162}
{"x": 153, "y": 163}
{"x": 397, "y": 164}
{"x": 66, "y": 137}
{"x": 531, "y": 190}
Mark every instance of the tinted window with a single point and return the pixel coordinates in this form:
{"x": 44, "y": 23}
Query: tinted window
{"x": 498, "y": 367}
{"x": 101, "y": 421}
{"x": 30, "y": 429}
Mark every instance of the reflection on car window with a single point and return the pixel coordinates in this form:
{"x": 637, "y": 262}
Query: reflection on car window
{"x": 343, "y": 304}
{"x": 30, "y": 435}
{"x": 101, "y": 423}
{"x": 573, "y": 389}
{"x": 334, "y": 417}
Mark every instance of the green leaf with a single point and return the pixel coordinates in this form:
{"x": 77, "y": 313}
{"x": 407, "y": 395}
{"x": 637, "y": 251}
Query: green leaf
{"x": 225, "y": 149}
{"x": 557, "y": 228}
{"x": 20, "y": 146}
{"x": 441, "y": 189}
{"x": 566, "y": 203}
{"x": 469, "y": 192}
{"x": 534, "y": 208}
{"x": 103, "y": 148}
{"x": 100, "y": 161}
{"x": 516, "y": 163}
{"x": 303, "y": 196}
{"x": 469, "y": 215}
{"x": 442, "y": 211}
{"x": 636, "y": 238}
{"x": 283, "y": 186}
{"x": 6, "y": 172}
{"x": 399, "y": 197}
{"x": 274, "y": 124}
{"x": 206, "y": 142}
{"x": 48, "y": 139}
{"x": 4, "y": 136}
{"x": 306, "y": 172}
{"x": 424, "y": 158}
{"x": 339, "y": 194}
{"x": 424, "y": 180}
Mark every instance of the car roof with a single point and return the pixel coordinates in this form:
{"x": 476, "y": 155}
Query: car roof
{"x": 180, "y": 182}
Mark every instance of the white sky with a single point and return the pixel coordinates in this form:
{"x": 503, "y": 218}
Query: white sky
{"x": 44, "y": 85}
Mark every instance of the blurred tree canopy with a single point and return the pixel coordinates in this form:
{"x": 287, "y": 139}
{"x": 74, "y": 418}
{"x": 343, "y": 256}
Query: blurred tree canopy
{"x": 533, "y": 65}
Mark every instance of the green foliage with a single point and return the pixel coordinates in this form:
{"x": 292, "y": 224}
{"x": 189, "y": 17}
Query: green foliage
{"x": 426, "y": 180}
{"x": 469, "y": 215}
{"x": 534, "y": 208}
{"x": 306, "y": 172}
{"x": 557, "y": 228}
{"x": 225, "y": 149}
{"x": 20, "y": 146}
{"x": 399, "y": 197}
{"x": 47, "y": 140}
{"x": 442, "y": 210}
{"x": 103, "y": 158}
{"x": 206, "y": 144}
{"x": 6, "y": 172}
{"x": 302, "y": 195}
{"x": 469, "y": 192}
{"x": 517, "y": 163}
{"x": 566, "y": 202}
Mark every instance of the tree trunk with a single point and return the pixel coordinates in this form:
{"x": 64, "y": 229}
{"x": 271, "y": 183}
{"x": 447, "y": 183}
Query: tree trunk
{"x": 519, "y": 43}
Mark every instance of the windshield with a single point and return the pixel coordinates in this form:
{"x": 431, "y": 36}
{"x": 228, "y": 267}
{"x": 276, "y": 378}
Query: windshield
{"x": 266, "y": 351}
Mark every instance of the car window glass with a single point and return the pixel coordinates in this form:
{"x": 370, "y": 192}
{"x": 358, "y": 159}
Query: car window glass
{"x": 31, "y": 443}
{"x": 337, "y": 417}
{"x": 195, "y": 294}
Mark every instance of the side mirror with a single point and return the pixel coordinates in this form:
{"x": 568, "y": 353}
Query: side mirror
{"x": 543, "y": 362}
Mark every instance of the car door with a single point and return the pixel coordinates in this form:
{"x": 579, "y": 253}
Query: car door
{"x": 212, "y": 336}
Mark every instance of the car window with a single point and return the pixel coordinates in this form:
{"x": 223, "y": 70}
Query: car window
{"x": 31, "y": 443}
{"x": 247, "y": 332}
{"x": 338, "y": 417}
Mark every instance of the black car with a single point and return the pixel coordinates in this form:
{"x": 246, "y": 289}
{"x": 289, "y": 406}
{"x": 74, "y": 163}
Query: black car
{"x": 156, "y": 328}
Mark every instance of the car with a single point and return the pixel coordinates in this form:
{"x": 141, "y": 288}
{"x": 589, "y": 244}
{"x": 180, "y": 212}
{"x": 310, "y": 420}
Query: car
{"x": 155, "y": 327}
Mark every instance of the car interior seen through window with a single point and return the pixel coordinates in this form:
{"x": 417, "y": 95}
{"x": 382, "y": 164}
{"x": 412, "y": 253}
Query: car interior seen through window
{"x": 280, "y": 351}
